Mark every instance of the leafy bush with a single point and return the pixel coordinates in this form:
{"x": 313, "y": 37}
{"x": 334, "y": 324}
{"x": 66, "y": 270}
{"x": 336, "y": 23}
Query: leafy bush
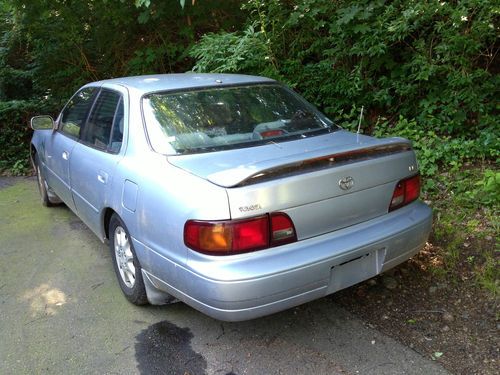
{"x": 424, "y": 70}
{"x": 237, "y": 52}
{"x": 436, "y": 151}
{"x": 14, "y": 137}
{"x": 487, "y": 190}
{"x": 15, "y": 133}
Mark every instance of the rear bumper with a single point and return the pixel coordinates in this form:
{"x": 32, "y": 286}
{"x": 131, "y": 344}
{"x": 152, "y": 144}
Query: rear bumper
{"x": 250, "y": 285}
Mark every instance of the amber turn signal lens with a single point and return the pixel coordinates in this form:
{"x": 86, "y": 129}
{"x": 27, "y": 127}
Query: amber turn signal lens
{"x": 215, "y": 238}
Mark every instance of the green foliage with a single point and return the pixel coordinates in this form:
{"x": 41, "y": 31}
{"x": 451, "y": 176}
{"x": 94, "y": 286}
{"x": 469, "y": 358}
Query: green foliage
{"x": 424, "y": 70}
{"x": 15, "y": 133}
{"x": 486, "y": 191}
{"x": 437, "y": 151}
{"x": 63, "y": 45}
{"x": 14, "y": 154}
{"x": 237, "y": 52}
{"x": 466, "y": 224}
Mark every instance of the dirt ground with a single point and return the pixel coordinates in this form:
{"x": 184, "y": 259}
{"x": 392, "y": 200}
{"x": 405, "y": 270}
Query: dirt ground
{"x": 448, "y": 319}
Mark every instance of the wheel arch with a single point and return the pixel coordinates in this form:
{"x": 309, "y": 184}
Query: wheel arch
{"x": 106, "y": 218}
{"x": 33, "y": 152}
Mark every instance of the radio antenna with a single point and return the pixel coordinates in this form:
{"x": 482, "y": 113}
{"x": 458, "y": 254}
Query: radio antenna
{"x": 360, "y": 118}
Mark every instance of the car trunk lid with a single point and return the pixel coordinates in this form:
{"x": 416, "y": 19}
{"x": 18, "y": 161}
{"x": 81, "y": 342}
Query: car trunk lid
{"x": 323, "y": 183}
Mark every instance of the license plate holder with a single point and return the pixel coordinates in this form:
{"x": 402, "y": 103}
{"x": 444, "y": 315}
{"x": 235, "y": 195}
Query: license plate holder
{"x": 356, "y": 269}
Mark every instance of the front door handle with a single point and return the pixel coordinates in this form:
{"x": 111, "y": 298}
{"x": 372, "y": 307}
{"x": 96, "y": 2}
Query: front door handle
{"x": 65, "y": 155}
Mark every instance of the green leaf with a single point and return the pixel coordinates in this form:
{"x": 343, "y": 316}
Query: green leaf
{"x": 143, "y": 17}
{"x": 437, "y": 355}
{"x": 348, "y": 14}
{"x": 140, "y": 3}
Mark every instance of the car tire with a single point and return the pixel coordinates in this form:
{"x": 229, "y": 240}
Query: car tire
{"x": 43, "y": 187}
{"x": 127, "y": 267}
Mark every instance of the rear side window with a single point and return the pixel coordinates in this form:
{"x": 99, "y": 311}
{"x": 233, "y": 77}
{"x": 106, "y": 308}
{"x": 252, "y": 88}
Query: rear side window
{"x": 104, "y": 128}
{"x": 76, "y": 111}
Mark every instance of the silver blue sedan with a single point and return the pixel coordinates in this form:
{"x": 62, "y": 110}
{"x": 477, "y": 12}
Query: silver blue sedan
{"x": 230, "y": 193}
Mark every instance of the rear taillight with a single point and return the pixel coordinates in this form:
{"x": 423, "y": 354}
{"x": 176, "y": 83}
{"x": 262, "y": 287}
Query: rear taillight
{"x": 239, "y": 236}
{"x": 406, "y": 191}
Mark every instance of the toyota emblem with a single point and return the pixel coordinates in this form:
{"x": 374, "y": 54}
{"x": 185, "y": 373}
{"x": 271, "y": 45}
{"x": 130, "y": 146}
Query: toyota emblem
{"x": 346, "y": 183}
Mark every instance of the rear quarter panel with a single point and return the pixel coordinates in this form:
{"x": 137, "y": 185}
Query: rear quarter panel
{"x": 166, "y": 198}
{"x": 155, "y": 198}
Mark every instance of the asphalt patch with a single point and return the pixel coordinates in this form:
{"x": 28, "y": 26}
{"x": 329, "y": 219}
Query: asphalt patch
{"x": 164, "y": 348}
{"x": 6, "y": 182}
{"x": 77, "y": 224}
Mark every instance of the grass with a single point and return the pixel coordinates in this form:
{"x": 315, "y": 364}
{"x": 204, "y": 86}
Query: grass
{"x": 466, "y": 225}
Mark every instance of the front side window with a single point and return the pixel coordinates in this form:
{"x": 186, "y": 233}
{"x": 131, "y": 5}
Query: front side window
{"x": 228, "y": 117}
{"x": 76, "y": 111}
{"x": 104, "y": 128}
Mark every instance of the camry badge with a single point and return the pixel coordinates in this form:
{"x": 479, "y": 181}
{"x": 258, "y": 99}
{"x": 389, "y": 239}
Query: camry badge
{"x": 346, "y": 183}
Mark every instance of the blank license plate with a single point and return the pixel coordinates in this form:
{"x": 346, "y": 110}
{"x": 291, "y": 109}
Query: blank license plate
{"x": 356, "y": 270}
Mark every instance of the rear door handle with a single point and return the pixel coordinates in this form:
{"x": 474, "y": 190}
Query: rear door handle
{"x": 102, "y": 177}
{"x": 65, "y": 155}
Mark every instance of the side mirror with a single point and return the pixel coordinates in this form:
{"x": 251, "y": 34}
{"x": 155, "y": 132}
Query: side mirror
{"x": 42, "y": 123}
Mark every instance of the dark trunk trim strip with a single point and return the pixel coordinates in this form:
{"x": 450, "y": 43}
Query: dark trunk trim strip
{"x": 324, "y": 162}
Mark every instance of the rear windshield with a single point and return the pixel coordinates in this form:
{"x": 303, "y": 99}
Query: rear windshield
{"x": 228, "y": 117}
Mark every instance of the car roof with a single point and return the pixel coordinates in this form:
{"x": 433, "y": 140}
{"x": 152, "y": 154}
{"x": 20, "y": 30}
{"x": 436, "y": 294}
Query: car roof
{"x": 166, "y": 82}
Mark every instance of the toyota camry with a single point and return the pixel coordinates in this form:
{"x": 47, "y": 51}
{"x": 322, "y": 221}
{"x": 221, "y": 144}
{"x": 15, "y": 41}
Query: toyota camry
{"x": 230, "y": 193}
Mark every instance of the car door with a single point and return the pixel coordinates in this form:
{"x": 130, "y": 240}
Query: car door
{"x": 60, "y": 144}
{"x": 95, "y": 158}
